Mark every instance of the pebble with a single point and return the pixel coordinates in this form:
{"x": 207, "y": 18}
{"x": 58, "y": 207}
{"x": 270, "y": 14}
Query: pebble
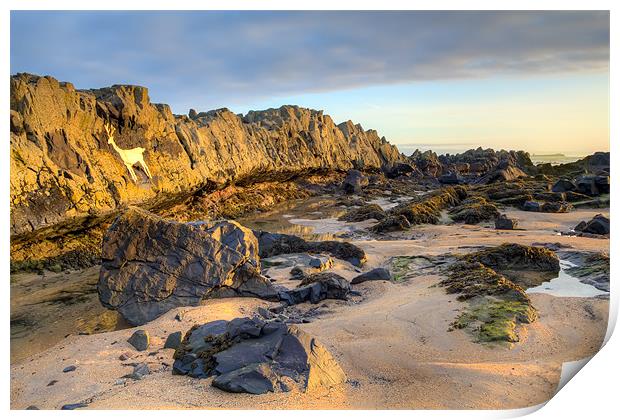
{"x": 70, "y": 368}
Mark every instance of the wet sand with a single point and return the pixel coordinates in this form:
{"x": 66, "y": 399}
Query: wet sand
{"x": 394, "y": 345}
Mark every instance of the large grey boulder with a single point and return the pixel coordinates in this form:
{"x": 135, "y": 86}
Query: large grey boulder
{"x": 151, "y": 265}
{"x": 254, "y": 356}
{"x": 564, "y": 185}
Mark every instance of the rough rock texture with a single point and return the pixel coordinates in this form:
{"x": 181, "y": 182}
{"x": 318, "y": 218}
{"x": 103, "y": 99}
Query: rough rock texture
{"x": 598, "y": 225}
{"x": 253, "y": 356}
{"x": 374, "y": 274}
{"x": 474, "y": 210}
{"x": 502, "y": 173}
{"x": 354, "y": 182}
{"x": 271, "y": 244}
{"x": 317, "y": 287}
{"x": 64, "y": 172}
{"x": 139, "y": 340}
{"x": 511, "y": 256}
{"x": 368, "y": 211}
{"x": 391, "y": 224}
{"x": 504, "y": 222}
{"x": 427, "y": 208}
{"x": 151, "y": 265}
{"x": 591, "y": 268}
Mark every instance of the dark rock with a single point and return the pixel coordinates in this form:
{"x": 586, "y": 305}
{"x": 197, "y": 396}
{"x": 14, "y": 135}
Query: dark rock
{"x": 354, "y": 182}
{"x": 557, "y": 207}
{"x": 564, "y": 185}
{"x": 317, "y": 287}
{"x": 504, "y": 172}
{"x": 32, "y": 407}
{"x": 451, "y": 178}
{"x": 368, "y": 211}
{"x": 69, "y": 369}
{"x": 265, "y": 313}
{"x": 139, "y": 340}
{"x": 271, "y": 244}
{"x": 531, "y": 206}
{"x": 125, "y": 356}
{"x": 151, "y": 265}
{"x": 257, "y": 378}
{"x": 321, "y": 263}
{"x": 391, "y": 224}
{"x": 505, "y": 223}
{"x": 587, "y": 184}
{"x": 374, "y": 274}
{"x": 598, "y": 225}
{"x": 474, "y": 210}
{"x": 52, "y": 382}
{"x": 401, "y": 169}
{"x": 139, "y": 372}
{"x": 173, "y": 341}
{"x": 253, "y": 356}
{"x": 73, "y": 406}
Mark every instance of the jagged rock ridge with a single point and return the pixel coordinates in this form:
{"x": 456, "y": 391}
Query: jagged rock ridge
{"x": 63, "y": 170}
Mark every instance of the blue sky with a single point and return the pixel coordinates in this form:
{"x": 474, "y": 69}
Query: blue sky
{"x": 520, "y": 80}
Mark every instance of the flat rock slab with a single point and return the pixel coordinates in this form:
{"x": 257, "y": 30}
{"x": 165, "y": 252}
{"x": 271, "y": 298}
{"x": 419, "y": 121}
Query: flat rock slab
{"x": 374, "y": 274}
{"x": 254, "y": 356}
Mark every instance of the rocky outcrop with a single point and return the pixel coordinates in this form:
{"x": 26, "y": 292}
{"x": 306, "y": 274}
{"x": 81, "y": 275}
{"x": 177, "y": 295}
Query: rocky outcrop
{"x": 504, "y": 222}
{"x": 317, "y": 287}
{"x": 65, "y": 174}
{"x": 598, "y": 225}
{"x": 368, "y": 211}
{"x": 271, "y": 244}
{"x": 151, "y": 265}
{"x": 253, "y": 356}
{"x": 427, "y": 208}
{"x": 474, "y": 210}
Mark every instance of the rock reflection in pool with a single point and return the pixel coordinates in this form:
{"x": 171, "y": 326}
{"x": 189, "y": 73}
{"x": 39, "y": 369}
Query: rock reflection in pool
{"x": 566, "y": 285}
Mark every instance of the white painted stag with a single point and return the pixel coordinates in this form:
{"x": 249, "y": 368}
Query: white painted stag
{"x": 130, "y": 156}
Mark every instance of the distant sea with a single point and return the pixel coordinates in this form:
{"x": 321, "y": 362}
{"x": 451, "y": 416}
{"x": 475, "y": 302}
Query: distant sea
{"x": 442, "y": 149}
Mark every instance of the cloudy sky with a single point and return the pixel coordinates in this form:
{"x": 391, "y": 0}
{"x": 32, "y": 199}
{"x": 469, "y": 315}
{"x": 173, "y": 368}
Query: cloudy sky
{"x": 443, "y": 80}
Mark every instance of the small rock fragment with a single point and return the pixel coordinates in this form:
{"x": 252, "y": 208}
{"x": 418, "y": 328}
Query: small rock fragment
{"x": 140, "y": 340}
{"x": 70, "y": 368}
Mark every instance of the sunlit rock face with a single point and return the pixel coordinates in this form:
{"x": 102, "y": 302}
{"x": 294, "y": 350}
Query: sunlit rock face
{"x": 64, "y": 170}
{"x": 151, "y": 265}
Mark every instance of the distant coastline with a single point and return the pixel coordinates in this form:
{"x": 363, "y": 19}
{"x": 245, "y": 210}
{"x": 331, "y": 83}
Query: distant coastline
{"x": 453, "y": 149}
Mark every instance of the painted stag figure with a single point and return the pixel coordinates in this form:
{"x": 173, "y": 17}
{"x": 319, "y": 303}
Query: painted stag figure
{"x": 130, "y": 156}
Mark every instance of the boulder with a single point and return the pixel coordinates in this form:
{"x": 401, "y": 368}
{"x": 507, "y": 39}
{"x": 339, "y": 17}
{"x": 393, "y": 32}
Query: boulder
{"x": 451, "y": 178}
{"x": 587, "y": 184}
{"x": 151, "y": 265}
{"x": 391, "y": 224}
{"x": 557, "y": 207}
{"x": 531, "y": 206}
{"x": 598, "y": 225}
{"x": 374, "y": 274}
{"x": 368, "y": 211}
{"x": 272, "y": 244}
{"x": 401, "y": 169}
{"x": 504, "y": 222}
{"x": 139, "y": 340}
{"x": 254, "y": 356}
{"x": 564, "y": 185}
{"x": 354, "y": 182}
{"x": 317, "y": 287}
{"x": 173, "y": 341}
{"x": 321, "y": 263}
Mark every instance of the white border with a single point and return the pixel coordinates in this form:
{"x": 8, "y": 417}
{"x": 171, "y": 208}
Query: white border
{"x": 592, "y": 395}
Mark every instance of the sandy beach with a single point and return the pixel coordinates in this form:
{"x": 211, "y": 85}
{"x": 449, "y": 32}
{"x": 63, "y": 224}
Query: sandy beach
{"x": 392, "y": 342}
